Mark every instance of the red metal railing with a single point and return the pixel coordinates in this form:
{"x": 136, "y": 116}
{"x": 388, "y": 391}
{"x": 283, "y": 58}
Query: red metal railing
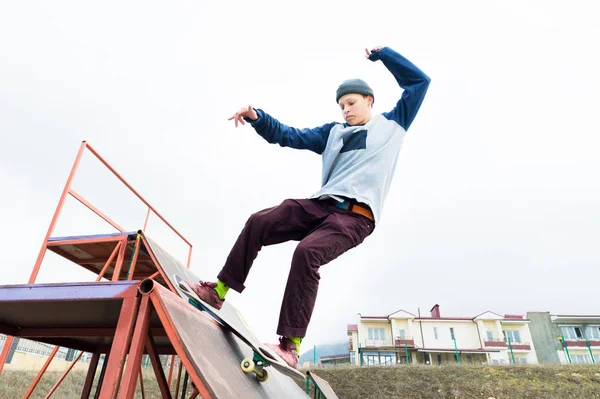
{"x": 68, "y": 190}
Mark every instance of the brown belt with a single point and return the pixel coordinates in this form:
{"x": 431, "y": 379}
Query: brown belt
{"x": 355, "y": 207}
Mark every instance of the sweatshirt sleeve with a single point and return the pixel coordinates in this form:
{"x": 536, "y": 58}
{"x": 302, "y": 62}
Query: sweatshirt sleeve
{"x": 275, "y": 132}
{"x": 414, "y": 82}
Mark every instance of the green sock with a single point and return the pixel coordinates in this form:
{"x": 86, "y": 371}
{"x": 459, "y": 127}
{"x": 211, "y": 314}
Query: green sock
{"x": 221, "y": 289}
{"x": 297, "y": 341}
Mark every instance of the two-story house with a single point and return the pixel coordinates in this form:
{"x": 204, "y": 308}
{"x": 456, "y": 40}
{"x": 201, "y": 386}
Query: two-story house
{"x": 402, "y": 337}
{"x": 565, "y": 338}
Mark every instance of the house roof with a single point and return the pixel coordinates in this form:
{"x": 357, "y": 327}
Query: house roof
{"x": 508, "y": 317}
{"x": 352, "y": 327}
{"x": 490, "y": 312}
{"x": 401, "y": 310}
{"x": 444, "y": 318}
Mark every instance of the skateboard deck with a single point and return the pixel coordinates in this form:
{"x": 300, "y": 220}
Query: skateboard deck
{"x": 232, "y": 320}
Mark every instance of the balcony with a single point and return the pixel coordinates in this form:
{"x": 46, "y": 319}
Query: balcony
{"x": 500, "y": 343}
{"x": 521, "y": 346}
{"x": 378, "y": 343}
{"x": 404, "y": 341}
{"x": 398, "y": 342}
{"x": 495, "y": 343}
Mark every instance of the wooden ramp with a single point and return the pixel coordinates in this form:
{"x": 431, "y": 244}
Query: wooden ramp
{"x": 321, "y": 388}
{"x": 125, "y": 320}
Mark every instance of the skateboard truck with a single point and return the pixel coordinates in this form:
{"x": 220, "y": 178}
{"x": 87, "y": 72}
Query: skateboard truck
{"x": 257, "y": 366}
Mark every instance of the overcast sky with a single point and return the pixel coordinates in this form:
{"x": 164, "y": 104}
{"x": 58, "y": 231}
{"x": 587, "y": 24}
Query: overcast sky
{"x": 494, "y": 205}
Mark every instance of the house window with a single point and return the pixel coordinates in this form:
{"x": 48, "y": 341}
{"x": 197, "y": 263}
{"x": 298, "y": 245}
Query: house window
{"x": 597, "y": 358}
{"x": 514, "y": 336}
{"x": 370, "y": 360}
{"x": 377, "y": 334}
{"x": 435, "y": 332}
{"x": 571, "y": 332}
{"x": 452, "y": 333}
{"x": 402, "y": 333}
{"x": 352, "y": 357}
{"x": 490, "y": 336}
{"x": 592, "y": 332}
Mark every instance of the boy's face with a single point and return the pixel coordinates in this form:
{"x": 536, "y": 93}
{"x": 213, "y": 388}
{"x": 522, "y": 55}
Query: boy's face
{"x": 356, "y": 108}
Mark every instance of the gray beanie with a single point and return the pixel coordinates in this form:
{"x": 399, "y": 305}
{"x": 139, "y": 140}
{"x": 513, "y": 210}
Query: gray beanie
{"x": 358, "y": 86}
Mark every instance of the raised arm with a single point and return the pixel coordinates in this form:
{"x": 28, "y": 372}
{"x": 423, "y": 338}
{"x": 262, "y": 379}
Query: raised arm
{"x": 410, "y": 78}
{"x": 275, "y": 132}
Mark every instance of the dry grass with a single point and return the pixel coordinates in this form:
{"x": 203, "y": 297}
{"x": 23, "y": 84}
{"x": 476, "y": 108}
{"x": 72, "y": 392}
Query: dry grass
{"x": 409, "y": 382}
{"x": 14, "y": 384}
{"x": 499, "y": 382}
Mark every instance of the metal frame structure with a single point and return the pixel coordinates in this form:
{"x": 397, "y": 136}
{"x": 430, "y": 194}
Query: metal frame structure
{"x": 123, "y": 333}
{"x": 120, "y": 240}
{"x": 321, "y": 388}
{"x": 134, "y": 313}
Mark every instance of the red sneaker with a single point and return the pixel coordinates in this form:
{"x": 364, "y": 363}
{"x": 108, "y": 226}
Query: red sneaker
{"x": 205, "y": 291}
{"x": 286, "y": 350}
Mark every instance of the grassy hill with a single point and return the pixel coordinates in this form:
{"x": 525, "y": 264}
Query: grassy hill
{"x": 387, "y": 382}
{"x": 464, "y": 382}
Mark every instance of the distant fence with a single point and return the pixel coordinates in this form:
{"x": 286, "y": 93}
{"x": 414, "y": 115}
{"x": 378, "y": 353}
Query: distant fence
{"x": 42, "y": 349}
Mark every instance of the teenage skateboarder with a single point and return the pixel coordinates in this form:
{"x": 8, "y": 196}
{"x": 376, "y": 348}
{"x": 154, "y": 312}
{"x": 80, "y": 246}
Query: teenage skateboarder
{"x": 359, "y": 158}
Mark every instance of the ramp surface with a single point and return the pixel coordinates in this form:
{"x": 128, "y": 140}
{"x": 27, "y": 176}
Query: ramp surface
{"x": 213, "y": 355}
{"x": 323, "y": 386}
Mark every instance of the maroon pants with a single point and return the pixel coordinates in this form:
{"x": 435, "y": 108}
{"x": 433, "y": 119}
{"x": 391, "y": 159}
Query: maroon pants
{"x": 324, "y": 231}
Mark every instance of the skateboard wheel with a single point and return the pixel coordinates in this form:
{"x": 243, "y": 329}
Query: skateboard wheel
{"x": 247, "y": 365}
{"x": 263, "y": 377}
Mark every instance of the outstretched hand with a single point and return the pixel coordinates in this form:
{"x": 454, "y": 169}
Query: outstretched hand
{"x": 369, "y": 51}
{"x": 249, "y": 113}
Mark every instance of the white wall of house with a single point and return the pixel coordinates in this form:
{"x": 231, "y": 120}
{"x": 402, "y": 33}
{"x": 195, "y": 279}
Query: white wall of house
{"x": 465, "y": 333}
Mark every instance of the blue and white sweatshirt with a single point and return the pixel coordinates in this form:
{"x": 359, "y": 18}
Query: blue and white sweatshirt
{"x": 358, "y": 161}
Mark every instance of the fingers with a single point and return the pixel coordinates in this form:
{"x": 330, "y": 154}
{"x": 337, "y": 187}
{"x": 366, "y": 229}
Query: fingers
{"x": 373, "y": 49}
{"x": 238, "y": 117}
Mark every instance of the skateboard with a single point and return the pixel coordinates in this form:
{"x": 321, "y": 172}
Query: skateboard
{"x": 232, "y": 320}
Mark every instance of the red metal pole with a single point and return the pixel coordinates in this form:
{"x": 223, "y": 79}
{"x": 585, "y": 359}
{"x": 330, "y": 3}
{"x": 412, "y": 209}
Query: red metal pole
{"x": 95, "y": 210}
{"x": 189, "y": 257}
{"x": 109, "y": 261}
{"x": 178, "y": 379}
{"x": 57, "y": 212}
{"x": 142, "y": 384}
{"x": 120, "y": 259}
{"x": 195, "y": 394}
{"x": 135, "y": 257}
{"x": 158, "y": 370}
{"x": 136, "y": 350}
{"x": 147, "y": 218}
{"x": 154, "y": 275}
{"x": 89, "y": 379}
{"x": 41, "y": 373}
{"x": 170, "y": 379}
{"x": 118, "y": 350}
{"x": 61, "y": 379}
{"x": 5, "y": 349}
